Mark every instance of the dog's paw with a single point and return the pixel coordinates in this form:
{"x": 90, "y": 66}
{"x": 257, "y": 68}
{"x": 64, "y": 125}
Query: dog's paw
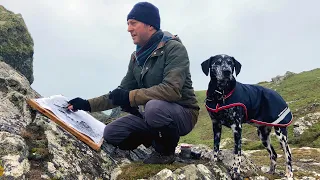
{"x": 289, "y": 175}
{"x": 235, "y": 174}
{"x": 216, "y": 156}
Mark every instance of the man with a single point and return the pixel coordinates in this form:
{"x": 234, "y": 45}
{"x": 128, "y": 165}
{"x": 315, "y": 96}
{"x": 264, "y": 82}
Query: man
{"x": 158, "y": 78}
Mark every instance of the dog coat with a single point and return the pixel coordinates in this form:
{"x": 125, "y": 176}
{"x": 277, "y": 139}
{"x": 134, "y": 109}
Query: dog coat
{"x": 261, "y": 105}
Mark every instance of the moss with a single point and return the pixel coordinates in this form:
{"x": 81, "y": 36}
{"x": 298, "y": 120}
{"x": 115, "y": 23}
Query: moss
{"x": 16, "y": 44}
{"x": 38, "y": 150}
{"x": 140, "y": 170}
{"x": 15, "y": 37}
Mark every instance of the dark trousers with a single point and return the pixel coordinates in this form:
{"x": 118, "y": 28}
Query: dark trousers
{"x": 161, "y": 127}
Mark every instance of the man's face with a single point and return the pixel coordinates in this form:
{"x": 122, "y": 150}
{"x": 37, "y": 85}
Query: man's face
{"x": 139, "y": 31}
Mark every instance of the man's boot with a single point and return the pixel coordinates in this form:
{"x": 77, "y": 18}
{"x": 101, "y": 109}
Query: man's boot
{"x": 164, "y": 145}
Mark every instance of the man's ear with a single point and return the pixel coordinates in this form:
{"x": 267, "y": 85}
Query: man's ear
{"x": 205, "y": 66}
{"x": 237, "y": 66}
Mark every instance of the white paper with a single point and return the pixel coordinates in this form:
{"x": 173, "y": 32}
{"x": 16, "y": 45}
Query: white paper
{"x": 79, "y": 120}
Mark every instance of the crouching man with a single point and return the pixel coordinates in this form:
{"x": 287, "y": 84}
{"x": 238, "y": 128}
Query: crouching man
{"x": 158, "y": 78}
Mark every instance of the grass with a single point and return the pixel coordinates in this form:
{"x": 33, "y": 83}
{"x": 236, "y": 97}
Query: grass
{"x": 140, "y": 170}
{"x": 261, "y": 158}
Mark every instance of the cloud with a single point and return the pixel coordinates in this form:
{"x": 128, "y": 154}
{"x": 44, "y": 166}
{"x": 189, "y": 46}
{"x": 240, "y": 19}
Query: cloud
{"x": 82, "y": 48}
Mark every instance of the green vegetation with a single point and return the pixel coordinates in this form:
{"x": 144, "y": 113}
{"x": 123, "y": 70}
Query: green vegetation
{"x": 38, "y": 150}
{"x": 140, "y": 170}
{"x": 301, "y": 91}
{"x": 18, "y": 41}
{"x": 261, "y": 158}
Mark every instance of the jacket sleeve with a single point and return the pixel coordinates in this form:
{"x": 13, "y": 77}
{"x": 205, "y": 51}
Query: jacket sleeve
{"x": 175, "y": 73}
{"x": 103, "y": 102}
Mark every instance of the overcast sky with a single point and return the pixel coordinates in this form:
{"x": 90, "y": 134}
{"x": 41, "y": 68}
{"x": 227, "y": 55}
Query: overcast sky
{"x": 82, "y": 47}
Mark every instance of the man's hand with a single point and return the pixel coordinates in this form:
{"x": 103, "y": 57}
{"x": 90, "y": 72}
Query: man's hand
{"x": 79, "y": 104}
{"x": 120, "y": 97}
{"x": 132, "y": 110}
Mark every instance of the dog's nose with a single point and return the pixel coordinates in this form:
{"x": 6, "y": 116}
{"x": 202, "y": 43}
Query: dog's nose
{"x": 226, "y": 72}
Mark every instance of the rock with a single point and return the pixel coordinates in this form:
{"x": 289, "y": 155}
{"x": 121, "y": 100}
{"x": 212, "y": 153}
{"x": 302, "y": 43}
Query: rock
{"x": 225, "y": 142}
{"x": 163, "y": 174}
{"x": 226, "y": 161}
{"x": 265, "y": 169}
{"x": 32, "y": 146}
{"x": 259, "y": 178}
{"x": 308, "y": 178}
{"x": 16, "y": 44}
{"x": 14, "y": 166}
{"x": 100, "y": 116}
{"x": 191, "y": 171}
{"x": 115, "y": 173}
{"x": 306, "y": 160}
{"x": 115, "y": 113}
{"x": 303, "y": 123}
{"x": 278, "y": 79}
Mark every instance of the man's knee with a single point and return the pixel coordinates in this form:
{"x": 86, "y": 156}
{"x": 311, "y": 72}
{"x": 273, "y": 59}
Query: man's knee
{"x": 109, "y": 135}
{"x": 153, "y": 106}
{"x": 155, "y": 114}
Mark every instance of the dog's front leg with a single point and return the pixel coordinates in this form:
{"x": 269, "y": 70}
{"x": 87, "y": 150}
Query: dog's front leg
{"x": 216, "y": 126}
{"x": 237, "y": 130}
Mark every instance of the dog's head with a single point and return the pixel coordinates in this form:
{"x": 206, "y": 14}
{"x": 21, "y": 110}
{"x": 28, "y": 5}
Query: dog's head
{"x": 221, "y": 67}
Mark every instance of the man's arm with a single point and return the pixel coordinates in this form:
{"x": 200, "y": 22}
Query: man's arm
{"x": 175, "y": 73}
{"x": 103, "y": 102}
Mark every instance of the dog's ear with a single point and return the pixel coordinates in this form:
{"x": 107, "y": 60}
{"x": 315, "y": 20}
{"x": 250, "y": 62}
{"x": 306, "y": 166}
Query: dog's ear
{"x": 205, "y": 66}
{"x": 237, "y": 66}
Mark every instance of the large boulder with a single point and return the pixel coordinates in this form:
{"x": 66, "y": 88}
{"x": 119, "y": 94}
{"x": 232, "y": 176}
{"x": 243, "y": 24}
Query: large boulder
{"x": 32, "y": 146}
{"x": 16, "y": 44}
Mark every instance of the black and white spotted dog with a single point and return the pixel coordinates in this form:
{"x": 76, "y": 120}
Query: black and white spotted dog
{"x": 231, "y": 103}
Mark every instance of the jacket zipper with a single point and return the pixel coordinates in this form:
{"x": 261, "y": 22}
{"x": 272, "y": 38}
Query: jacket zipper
{"x": 142, "y": 74}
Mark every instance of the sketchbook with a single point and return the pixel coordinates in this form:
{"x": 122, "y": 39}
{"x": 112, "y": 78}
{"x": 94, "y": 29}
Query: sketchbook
{"x": 79, "y": 123}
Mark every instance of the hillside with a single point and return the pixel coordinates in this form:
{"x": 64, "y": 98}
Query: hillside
{"x": 301, "y": 92}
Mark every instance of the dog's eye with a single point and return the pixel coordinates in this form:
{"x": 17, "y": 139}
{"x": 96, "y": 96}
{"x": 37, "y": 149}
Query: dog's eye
{"x": 229, "y": 62}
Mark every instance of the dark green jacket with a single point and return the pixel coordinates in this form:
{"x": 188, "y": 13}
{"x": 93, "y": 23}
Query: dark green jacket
{"x": 164, "y": 76}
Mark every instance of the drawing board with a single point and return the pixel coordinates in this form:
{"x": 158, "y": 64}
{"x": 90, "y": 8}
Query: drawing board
{"x": 79, "y": 123}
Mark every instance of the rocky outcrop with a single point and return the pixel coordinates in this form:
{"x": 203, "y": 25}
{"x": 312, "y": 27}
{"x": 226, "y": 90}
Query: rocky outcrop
{"x": 100, "y": 116}
{"x": 32, "y": 146}
{"x": 198, "y": 167}
{"x": 304, "y": 123}
{"x": 16, "y": 44}
{"x": 278, "y": 79}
